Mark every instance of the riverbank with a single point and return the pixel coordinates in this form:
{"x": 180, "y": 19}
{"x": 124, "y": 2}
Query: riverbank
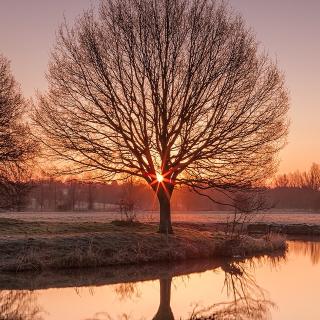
{"x": 42, "y": 246}
{"x": 136, "y": 289}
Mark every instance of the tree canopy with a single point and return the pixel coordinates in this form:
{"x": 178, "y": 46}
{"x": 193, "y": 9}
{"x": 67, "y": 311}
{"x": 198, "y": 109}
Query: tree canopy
{"x": 16, "y": 143}
{"x": 177, "y": 87}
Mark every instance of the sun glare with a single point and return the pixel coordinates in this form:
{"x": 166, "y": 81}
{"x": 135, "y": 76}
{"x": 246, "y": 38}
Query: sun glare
{"x": 159, "y": 177}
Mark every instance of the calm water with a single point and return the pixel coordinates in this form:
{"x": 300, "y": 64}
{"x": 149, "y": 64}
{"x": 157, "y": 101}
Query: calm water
{"x": 283, "y": 288}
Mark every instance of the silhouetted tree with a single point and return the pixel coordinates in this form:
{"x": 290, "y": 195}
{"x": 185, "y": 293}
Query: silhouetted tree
{"x": 298, "y": 189}
{"x": 246, "y": 207}
{"x": 127, "y": 203}
{"x": 16, "y": 145}
{"x": 177, "y": 88}
{"x": 15, "y": 187}
{"x": 90, "y": 190}
{"x": 313, "y": 177}
{"x": 307, "y": 179}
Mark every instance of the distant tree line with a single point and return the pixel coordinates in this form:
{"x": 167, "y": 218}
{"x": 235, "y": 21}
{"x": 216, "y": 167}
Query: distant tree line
{"x": 303, "y": 180}
{"x": 298, "y": 190}
{"x": 48, "y": 194}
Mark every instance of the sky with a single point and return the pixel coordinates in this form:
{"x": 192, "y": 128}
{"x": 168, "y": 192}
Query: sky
{"x": 287, "y": 29}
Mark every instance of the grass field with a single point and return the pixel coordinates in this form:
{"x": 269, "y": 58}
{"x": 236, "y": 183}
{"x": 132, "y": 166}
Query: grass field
{"x": 44, "y": 245}
{"x": 282, "y": 217}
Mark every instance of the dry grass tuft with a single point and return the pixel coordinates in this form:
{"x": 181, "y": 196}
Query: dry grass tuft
{"x": 246, "y": 245}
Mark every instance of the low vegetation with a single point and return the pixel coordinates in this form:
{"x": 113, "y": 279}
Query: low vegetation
{"x": 47, "y": 245}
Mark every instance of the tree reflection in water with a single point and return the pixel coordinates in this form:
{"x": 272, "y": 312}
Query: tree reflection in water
{"x": 164, "y": 311}
{"x": 248, "y": 300}
{"x": 19, "y": 305}
{"x": 307, "y": 248}
{"x": 127, "y": 290}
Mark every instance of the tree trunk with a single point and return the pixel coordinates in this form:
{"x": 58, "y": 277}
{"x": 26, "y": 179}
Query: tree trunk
{"x": 164, "y": 311}
{"x": 164, "y": 196}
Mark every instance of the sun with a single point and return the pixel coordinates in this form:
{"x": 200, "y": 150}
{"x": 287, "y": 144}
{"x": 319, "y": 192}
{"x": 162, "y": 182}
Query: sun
{"x": 159, "y": 177}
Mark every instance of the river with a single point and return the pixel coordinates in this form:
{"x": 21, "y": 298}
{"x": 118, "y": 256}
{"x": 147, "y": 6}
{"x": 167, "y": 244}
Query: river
{"x": 283, "y": 287}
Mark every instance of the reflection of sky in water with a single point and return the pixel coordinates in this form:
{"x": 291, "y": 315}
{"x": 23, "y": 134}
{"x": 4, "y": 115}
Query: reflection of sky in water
{"x": 257, "y": 289}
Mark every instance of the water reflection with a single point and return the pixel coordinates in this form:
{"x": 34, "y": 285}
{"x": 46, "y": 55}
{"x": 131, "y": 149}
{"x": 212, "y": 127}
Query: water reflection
{"x": 248, "y": 299}
{"x": 241, "y": 298}
{"x": 307, "y": 248}
{"x": 127, "y": 291}
{"x": 164, "y": 312}
{"x": 19, "y": 305}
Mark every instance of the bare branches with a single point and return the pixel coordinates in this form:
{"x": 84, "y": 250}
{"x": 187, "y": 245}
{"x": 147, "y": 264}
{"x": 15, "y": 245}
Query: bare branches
{"x": 13, "y": 133}
{"x": 248, "y": 299}
{"x": 307, "y": 180}
{"x": 16, "y": 145}
{"x": 148, "y": 86}
{"x": 176, "y": 87}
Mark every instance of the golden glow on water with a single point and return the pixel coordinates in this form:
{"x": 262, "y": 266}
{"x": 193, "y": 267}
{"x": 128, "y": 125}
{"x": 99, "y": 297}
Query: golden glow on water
{"x": 287, "y": 289}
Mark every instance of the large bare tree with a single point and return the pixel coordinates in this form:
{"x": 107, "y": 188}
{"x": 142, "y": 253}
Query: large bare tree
{"x": 16, "y": 143}
{"x": 172, "y": 92}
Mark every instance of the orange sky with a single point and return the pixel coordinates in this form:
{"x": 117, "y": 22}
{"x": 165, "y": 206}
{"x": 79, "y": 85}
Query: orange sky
{"x": 288, "y": 30}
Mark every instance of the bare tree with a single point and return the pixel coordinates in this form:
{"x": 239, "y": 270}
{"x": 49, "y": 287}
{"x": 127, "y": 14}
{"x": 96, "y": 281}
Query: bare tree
{"x": 15, "y": 186}
{"x": 16, "y": 145}
{"x": 313, "y": 177}
{"x": 247, "y": 205}
{"x": 172, "y": 92}
{"x": 127, "y": 203}
{"x": 307, "y": 179}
